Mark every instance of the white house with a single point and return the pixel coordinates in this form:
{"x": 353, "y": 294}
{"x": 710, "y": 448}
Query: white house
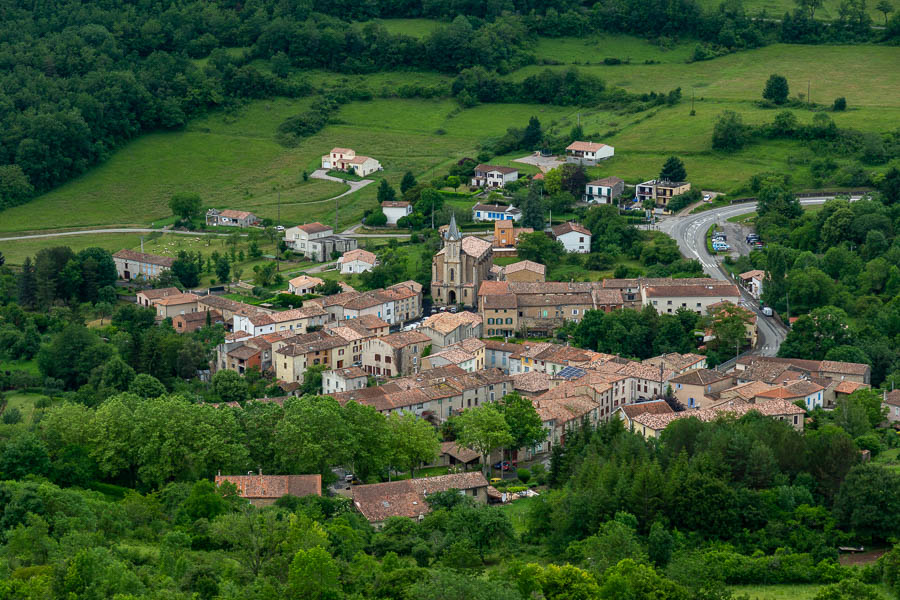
{"x": 395, "y": 210}
{"x": 304, "y": 284}
{"x": 753, "y": 281}
{"x": 588, "y": 153}
{"x": 298, "y": 237}
{"x": 346, "y": 159}
{"x": 343, "y": 380}
{"x": 357, "y": 261}
{"x": 574, "y": 237}
{"x": 492, "y": 176}
{"x": 495, "y": 212}
{"x": 603, "y": 191}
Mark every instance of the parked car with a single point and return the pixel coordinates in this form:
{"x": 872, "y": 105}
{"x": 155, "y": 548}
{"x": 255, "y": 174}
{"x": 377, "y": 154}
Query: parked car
{"x": 505, "y": 465}
{"x": 706, "y": 197}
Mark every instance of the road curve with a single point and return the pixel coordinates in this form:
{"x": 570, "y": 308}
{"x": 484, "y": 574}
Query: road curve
{"x": 690, "y": 233}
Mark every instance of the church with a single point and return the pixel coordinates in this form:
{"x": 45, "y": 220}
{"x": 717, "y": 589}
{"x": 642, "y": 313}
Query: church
{"x": 458, "y": 269}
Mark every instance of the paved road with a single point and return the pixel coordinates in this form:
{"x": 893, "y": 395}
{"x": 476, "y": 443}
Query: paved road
{"x": 354, "y": 185}
{"x": 690, "y": 233}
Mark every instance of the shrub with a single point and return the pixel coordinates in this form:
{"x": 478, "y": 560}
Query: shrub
{"x": 12, "y": 416}
{"x": 839, "y": 104}
{"x": 524, "y": 475}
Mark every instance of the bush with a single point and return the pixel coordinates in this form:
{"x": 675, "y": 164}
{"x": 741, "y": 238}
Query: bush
{"x": 524, "y": 475}
{"x": 12, "y": 416}
{"x": 839, "y": 104}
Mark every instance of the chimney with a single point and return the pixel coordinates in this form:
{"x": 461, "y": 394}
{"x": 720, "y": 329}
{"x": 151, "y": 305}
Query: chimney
{"x": 259, "y": 469}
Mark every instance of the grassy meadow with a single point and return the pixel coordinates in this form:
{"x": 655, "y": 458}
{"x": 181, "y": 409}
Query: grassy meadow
{"x": 785, "y": 592}
{"x": 232, "y": 160}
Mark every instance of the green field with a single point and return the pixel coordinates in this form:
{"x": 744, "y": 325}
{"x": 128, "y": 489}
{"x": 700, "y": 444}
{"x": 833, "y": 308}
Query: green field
{"x": 775, "y": 9}
{"x": 25, "y": 403}
{"x": 784, "y": 592}
{"x": 232, "y": 160}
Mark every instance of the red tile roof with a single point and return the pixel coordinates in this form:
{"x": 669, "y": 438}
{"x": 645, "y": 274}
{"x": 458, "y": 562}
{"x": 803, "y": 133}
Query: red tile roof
{"x": 274, "y": 486}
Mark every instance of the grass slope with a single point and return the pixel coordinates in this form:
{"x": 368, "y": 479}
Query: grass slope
{"x": 232, "y": 160}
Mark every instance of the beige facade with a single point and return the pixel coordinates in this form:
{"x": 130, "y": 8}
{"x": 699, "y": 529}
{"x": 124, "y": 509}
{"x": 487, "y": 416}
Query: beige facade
{"x": 172, "y": 306}
{"x": 693, "y": 388}
{"x": 395, "y": 354}
{"x": 458, "y": 269}
{"x": 698, "y": 298}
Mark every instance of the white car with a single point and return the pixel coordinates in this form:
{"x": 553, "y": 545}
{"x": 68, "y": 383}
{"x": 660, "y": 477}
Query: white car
{"x": 706, "y": 197}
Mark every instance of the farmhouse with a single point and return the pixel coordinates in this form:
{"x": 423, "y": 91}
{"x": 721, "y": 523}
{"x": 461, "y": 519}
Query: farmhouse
{"x": 395, "y": 210}
{"x": 524, "y": 270}
{"x": 264, "y": 490}
{"x": 146, "y": 297}
{"x": 574, "y": 237}
{"x": 193, "y": 321}
{"x": 357, "y": 261}
{"x": 345, "y": 159}
{"x": 603, "y": 191}
{"x": 304, "y": 284}
{"x": 667, "y": 299}
{"x": 588, "y": 153}
{"x": 137, "y": 265}
{"x": 171, "y": 306}
{"x": 491, "y": 176}
{"x": 230, "y": 218}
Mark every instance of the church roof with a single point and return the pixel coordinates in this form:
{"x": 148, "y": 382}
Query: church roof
{"x": 453, "y": 230}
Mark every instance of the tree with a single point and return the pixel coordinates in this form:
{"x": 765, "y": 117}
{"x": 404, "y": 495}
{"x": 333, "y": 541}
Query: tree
{"x": 809, "y": 7}
{"x": 264, "y": 274}
{"x": 72, "y": 355}
{"x": 229, "y": 386}
{"x": 24, "y": 455}
{"x": 27, "y": 292}
{"x": 525, "y": 425}
{"x": 673, "y": 170}
{"x": 776, "y": 90}
{"x": 884, "y": 6}
{"x": 729, "y": 326}
{"x": 254, "y": 535}
{"x": 533, "y": 134}
{"x": 314, "y": 574}
{"x": 414, "y": 441}
{"x": 15, "y": 187}
{"x": 839, "y": 104}
{"x": 312, "y": 437}
{"x": 539, "y": 247}
{"x": 386, "y": 193}
{"x": 223, "y": 268}
{"x": 185, "y": 206}
{"x": 848, "y": 589}
{"x": 453, "y": 181}
{"x": 408, "y": 182}
{"x": 186, "y": 270}
{"x": 729, "y": 133}
{"x": 146, "y": 386}
{"x": 329, "y": 287}
{"x": 532, "y": 211}
{"x": 483, "y": 429}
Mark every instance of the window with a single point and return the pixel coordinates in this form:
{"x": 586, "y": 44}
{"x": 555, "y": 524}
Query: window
{"x": 509, "y": 321}
{"x": 387, "y": 360}
{"x": 377, "y": 357}
{"x": 796, "y": 422}
{"x": 574, "y": 311}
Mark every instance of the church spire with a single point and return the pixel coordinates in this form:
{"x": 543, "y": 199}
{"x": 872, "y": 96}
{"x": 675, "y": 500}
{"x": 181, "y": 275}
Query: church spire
{"x": 453, "y": 230}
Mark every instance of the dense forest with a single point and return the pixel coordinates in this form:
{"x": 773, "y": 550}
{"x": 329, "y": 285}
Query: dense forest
{"x": 78, "y": 80}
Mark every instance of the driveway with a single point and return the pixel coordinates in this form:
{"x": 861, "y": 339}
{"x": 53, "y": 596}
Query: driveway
{"x": 544, "y": 163}
{"x": 354, "y": 185}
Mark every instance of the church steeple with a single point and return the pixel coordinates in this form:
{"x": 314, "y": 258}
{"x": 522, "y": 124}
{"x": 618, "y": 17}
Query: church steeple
{"x": 453, "y": 230}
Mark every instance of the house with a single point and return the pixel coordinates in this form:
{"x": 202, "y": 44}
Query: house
{"x": 668, "y": 299}
{"x": 661, "y": 192}
{"x": 295, "y": 320}
{"x": 495, "y": 212}
{"x": 490, "y": 176}
{"x": 692, "y": 387}
{"x": 394, "y": 354}
{"x": 345, "y": 159}
{"x": 459, "y": 267}
{"x": 188, "y": 322}
{"x": 652, "y": 425}
{"x": 531, "y": 384}
{"x": 229, "y": 308}
{"x": 179, "y": 304}
{"x": 357, "y": 261}
{"x": 506, "y": 234}
{"x": 136, "y": 265}
{"x": 574, "y": 237}
{"x": 628, "y": 412}
{"x": 677, "y": 363}
{"x": 230, "y": 218}
{"x": 407, "y": 498}
{"x": 828, "y": 369}
{"x": 588, "y": 153}
{"x": 435, "y": 395}
{"x": 294, "y": 355}
{"x": 146, "y": 297}
{"x": 342, "y": 380}
{"x": 243, "y": 358}
{"x": 497, "y": 354}
{"x": 524, "y": 270}
{"x": 453, "y": 455}
{"x": 396, "y": 304}
{"x": 809, "y": 393}
{"x": 891, "y": 401}
{"x": 603, "y": 191}
{"x": 753, "y": 281}
{"x": 317, "y": 241}
{"x": 395, "y": 210}
{"x": 264, "y": 490}
{"x": 446, "y": 328}
{"x": 453, "y": 355}
{"x": 304, "y": 284}
{"x": 722, "y": 310}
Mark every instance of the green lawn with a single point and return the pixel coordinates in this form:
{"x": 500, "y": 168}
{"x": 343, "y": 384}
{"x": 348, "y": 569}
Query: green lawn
{"x": 25, "y": 403}
{"x": 783, "y": 592}
{"x": 19, "y": 365}
{"x": 517, "y": 510}
{"x": 593, "y": 49}
{"x": 775, "y": 9}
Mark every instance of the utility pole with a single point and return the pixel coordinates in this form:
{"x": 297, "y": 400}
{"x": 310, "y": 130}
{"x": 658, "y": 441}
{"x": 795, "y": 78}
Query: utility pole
{"x": 279, "y": 207}
{"x": 336, "y": 213}
{"x": 808, "y": 99}
{"x": 692, "y": 100}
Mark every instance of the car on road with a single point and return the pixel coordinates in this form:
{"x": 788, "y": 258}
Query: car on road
{"x": 720, "y": 246}
{"x": 706, "y": 197}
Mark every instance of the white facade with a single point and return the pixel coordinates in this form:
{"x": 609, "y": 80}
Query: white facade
{"x": 394, "y": 211}
{"x": 337, "y": 381}
{"x": 490, "y": 212}
{"x": 299, "y": 236}
{"x": 576, "y": 242}
{"x": 356, "y": 266}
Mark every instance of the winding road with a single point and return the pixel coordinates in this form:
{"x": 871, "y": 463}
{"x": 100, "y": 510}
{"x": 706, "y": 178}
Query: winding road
{"x": 690, "y": 233}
